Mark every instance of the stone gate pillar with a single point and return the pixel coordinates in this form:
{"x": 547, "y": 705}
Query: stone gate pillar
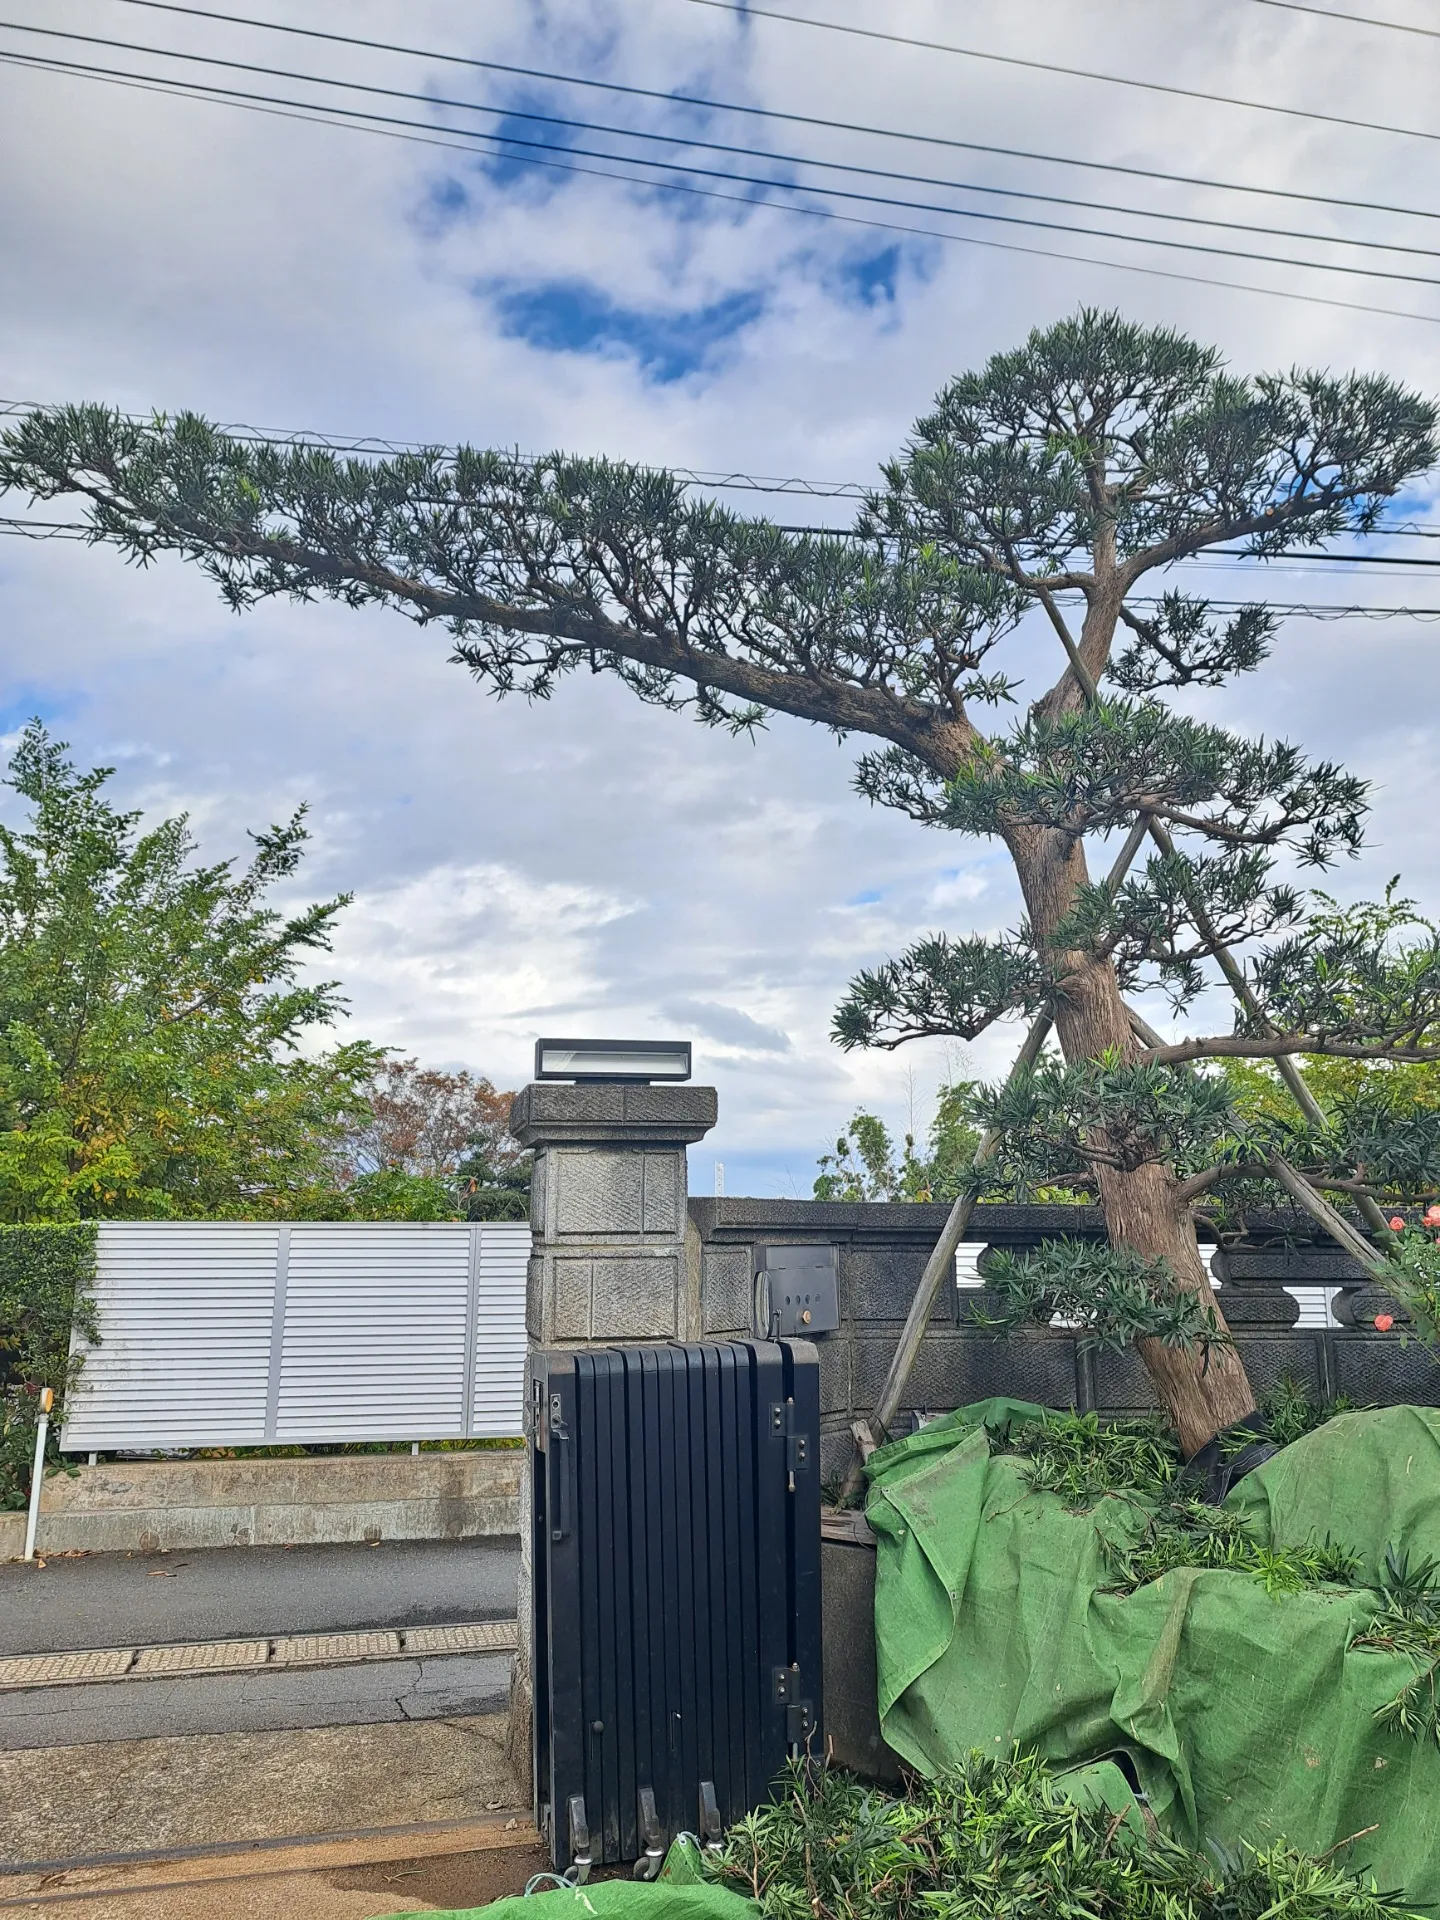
{"x": 612, "y": 1259}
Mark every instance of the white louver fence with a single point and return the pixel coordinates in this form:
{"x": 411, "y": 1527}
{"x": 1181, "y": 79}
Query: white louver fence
{"x": 216, "y": 1333}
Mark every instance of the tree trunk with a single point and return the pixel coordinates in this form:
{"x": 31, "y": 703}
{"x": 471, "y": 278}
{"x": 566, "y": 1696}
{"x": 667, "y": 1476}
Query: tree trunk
{"x": 1201, "y": 1391}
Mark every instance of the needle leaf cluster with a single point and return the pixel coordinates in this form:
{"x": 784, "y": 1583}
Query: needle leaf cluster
{"x": 1000, "y": 1840}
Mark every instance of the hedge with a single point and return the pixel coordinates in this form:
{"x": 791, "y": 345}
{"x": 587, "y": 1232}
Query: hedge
{"x": 46, "y": 1278}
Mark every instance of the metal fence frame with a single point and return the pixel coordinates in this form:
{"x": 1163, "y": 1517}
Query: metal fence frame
{"x": 247, "y": 1333}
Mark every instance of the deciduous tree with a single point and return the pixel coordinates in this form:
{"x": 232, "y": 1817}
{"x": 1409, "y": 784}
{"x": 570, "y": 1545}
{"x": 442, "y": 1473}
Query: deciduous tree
{"x": 152, "y": 1011}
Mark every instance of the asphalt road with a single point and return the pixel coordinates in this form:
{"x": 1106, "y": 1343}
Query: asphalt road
{"x": 128, "y": 1600}
{"x": 426, "y": 1689}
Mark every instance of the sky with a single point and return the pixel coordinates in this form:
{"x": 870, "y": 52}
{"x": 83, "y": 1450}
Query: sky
{"x": 588, "y": 866}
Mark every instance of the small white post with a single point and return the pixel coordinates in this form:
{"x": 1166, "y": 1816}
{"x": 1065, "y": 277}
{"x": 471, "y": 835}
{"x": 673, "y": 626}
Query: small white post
{"x": 37, "y": 1478}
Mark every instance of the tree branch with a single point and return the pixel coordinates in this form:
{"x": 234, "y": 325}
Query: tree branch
{"x": 1283, "y": 1046}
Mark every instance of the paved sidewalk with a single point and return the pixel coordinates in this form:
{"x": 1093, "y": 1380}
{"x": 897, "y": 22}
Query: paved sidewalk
{"x": 117, "y": 1599}
{"x": 210, "y": 1789}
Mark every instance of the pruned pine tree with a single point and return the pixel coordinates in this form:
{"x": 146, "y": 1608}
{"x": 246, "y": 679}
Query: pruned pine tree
{"x": 1058, "y": 482}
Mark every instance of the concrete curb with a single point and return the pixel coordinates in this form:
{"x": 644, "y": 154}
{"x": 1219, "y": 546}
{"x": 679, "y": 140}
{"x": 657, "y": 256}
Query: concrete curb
{"x": 153, "y": 1506}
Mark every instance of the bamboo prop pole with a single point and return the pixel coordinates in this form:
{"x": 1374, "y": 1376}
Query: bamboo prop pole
{"x": 1335, "y": 1224}
{"x": 870, "y": 1431}
{"x": 1286, "y": 1067}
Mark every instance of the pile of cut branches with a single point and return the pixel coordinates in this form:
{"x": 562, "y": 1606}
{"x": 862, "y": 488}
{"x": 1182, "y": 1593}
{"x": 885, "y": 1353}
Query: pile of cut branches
{"x": 1085, "y": 1459}
{"x": 1000, "y": 1840}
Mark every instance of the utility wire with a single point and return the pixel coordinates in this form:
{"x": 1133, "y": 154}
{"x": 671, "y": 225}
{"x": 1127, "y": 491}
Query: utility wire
{"x": 669, "y": 99}
{"x": 723, "y": 479}
{"x": 745, "y": 152}
{"x": 690, "y": 169}
{"x": 1325, "y": 610}
{"x": 383, "y": 123}
{"x": 1351, "y": 19}
{"x": 750, "y": 12}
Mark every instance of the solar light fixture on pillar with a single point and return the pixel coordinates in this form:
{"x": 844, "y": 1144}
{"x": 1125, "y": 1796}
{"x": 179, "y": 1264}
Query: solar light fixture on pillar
{"x": 637, "y": 1061}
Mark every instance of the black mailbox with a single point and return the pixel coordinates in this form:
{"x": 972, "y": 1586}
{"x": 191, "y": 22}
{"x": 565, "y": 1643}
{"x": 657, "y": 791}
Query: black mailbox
{"x": 796, "y": 1292}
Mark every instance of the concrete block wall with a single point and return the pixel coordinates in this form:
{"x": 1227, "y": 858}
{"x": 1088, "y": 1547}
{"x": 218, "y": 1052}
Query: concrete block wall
{"x": 882, "y": 1249}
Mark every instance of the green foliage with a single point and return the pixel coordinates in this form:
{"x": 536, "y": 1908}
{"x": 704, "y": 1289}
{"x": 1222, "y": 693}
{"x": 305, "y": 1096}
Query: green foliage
{"x": 1381, "y": 1123}
{"x": 955, "y": 988}
{"x": 1354, "y": 977}
{"x": 46, "y": 1273}
{"x": 1397, "y": 1088}
{"x": 1408, "y": 1623}
{"x": 1290, "y": 1413}
{"x": 1007, "y": 462}
{"x": 1000, "y": 1840}
{"x": 1191, "y": 1533}
{"x": 496, "y": 1203}
{"x": 1179, "y": 645}
{"x": 1083, "y": 1457}
{"x": 1412, "y": 1276}
{"x": 865, "y": 1166}
{"x": 1113, "y": 1295}
{"x": 1061, "y": 1121}
{"x": 1100, "y": 766}
{"x": 393, "y": 1194}
{"x": 151, "y": 1012}
{"x": 578, "y": 549}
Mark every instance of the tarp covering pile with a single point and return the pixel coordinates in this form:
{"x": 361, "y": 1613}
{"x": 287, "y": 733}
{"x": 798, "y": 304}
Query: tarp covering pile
{"x": 1247, "y": 1714}
{"x": 680, "y": 1893}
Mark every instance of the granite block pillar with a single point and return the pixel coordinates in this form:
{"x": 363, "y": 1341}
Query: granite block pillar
{"x": 613, "y": 1259}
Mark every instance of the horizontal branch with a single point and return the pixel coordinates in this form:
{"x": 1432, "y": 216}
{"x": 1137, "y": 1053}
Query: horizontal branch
{"x": 1274, "y": 1046}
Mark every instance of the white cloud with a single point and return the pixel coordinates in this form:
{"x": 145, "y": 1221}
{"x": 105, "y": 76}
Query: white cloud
{"x": 613, "y": 864}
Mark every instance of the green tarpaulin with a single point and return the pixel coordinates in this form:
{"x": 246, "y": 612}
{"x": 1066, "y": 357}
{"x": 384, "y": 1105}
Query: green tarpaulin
{"x": 680, "y": 1893}
{"x": 1247, "y": 1715}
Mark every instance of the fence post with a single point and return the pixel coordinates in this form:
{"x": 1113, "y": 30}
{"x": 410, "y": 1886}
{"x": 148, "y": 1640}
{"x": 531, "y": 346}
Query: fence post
{"x": 610, "y": 1259}
{"x": 37, "y": 1477}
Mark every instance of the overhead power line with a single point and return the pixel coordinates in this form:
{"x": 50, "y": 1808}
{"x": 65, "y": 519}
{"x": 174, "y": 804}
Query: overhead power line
{"x": 690, "y": 169}
{"x": 723, "y": 479}
{"x": 355, "y": 119}
{"x": 1351, "y": 19}
{"x": 751, "y": 12}
{"x": 1324, "y": 610}
{"x": 672, "y": 140}
{"x": 673, "y": 99}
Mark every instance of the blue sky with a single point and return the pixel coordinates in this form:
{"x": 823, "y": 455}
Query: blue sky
{"x": 591, "y": 866}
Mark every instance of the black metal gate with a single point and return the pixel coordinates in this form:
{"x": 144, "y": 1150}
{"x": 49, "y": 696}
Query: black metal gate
{"x": 676, "y": 1561}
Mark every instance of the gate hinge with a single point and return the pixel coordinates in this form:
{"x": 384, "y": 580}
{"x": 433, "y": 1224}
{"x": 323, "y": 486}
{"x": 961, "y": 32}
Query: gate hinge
{"x": 797, "y": 1441}
{"x": 799, "y": 1714}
